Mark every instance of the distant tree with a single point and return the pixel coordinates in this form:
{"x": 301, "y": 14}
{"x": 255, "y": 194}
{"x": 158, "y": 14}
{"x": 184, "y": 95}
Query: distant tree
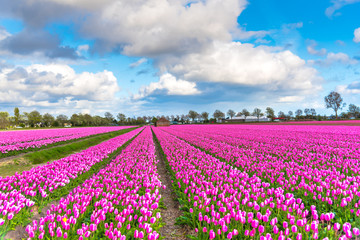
{"x": 75, "y": 120}
{"x": 34, "y": 117}
{"x": 231, "y": 113}
{"x": 17, "y": 116}
{"x": 193, "y": 114}
{"x": 121, "y": 117}
{"x": 154, "y": 120}
{"x": 87, "y": 119}
{"x": 109, "y": 117}
{"x": 290, "y": 113}
{"x": 62, "y": 119}
{"x": 354, "y": 110}
{"x": 4, "y": 120}
{"x": 172, "y": 117}
{"x": 344, "y": 115}
{"x": 313, "y": 112}
{"x": 218, "y": 114}
{"x": 245, "y": 112}
{"x": 334, "y": 101}
{"x": 257, "y": 113}
{"x": 281, "y": 114}
{"x": 270, "y": 113}
{"x": 307, "y": 112}
{"x": 205, "y": 116}
{"x": 24, "y": 119}
{"x": 48, "y": 120}
{"x": 182, "y": 118}
{"x": 298, "y": 113}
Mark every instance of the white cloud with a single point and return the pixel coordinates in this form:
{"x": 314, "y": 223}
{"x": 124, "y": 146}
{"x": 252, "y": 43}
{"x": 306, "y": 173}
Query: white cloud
{"x": 3, "y": 33}
{"x": 154, "y": 27}
{"x": 311, "y": 49}
{"x": 333, "y": 58}
{"x": 352, "y": 88}
{"x": 338, "y": 4}
{"x": 244, "y": 64}
{"x": 48, "y": 85}
{"x": 290, "y": 99}
{"x": 138, "y": 62}
{"x": 81, "y": 49}
{"x": 357, "y": 35}
{"x": 170, "y": 85}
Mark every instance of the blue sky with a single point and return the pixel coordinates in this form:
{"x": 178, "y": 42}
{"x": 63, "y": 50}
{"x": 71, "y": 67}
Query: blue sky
{"x": 159, "y": 57}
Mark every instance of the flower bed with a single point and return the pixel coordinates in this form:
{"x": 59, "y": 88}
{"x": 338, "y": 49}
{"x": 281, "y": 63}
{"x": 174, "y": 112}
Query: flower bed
{"x": 225, "y": 199}
{"x": 22, "y": 191}
{"x": 121, "y": 201}
{"x": 20, "y": 140}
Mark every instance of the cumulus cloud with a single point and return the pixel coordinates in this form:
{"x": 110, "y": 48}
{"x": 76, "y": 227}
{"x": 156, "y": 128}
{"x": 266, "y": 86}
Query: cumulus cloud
{"x": 169, "y": 85}
{"x": 338, "y": 4}
{"x": 246, "y": 65}
{"x": 190, "y": 42}
{"x": 333, "y": 58}
{"x": 352, "y": 88}
{"x": 29, "y": 42}
{"x": 155, "y": 27}
{"x": 39, "y": 85}
{"x": 357, "y": 35}
{"x": 311, "y": 45}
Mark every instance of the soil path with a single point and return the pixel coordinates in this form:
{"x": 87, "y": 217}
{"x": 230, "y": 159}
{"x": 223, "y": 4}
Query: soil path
{"x": 172, "y": 211}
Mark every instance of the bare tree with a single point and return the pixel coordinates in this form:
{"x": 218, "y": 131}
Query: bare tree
{"x": 334, "y": 101}
{"x": 313, "y": 112}
{"x": 281, "y": 114}
{"x": 205, "y": 115}
{"x": 257, "y": 113}
{"x": 298, "y": 113}
{"x": 193, "y": 114}
{"x": 231, "y": 113}
{"x": 307, "y": 112}
{"x": 245, "y": 112}
{"x": 354, "y": 110}
{"x": 218, "y": 114}
{"x": 290, "y": 113}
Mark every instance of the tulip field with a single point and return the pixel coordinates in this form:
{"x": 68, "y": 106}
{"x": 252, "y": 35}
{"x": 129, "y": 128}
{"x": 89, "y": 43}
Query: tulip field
{"x": 266, "y": 181}
{"x": 263, "y": 182}
{"x": 11, "y": 141}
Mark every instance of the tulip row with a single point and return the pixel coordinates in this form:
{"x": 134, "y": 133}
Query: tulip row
{"x": 22, "y": 191}
{"x": 318, "y": 164}
{"x": 121, "y": 201}
{"x": 20, "y": 140}
{"x": 222, "y": 201}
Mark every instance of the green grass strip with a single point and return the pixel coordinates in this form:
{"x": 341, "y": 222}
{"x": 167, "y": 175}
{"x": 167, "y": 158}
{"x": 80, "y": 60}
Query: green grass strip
{"x": 63, "y": 151}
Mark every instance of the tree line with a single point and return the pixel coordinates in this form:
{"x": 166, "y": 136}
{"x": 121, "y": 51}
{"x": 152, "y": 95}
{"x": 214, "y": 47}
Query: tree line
{"x": 35, "y": 119}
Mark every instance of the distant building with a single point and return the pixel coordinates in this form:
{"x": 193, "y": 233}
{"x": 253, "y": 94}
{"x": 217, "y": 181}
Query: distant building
{"x": 247, "y": 119}
{"x": 162, "y": 122}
